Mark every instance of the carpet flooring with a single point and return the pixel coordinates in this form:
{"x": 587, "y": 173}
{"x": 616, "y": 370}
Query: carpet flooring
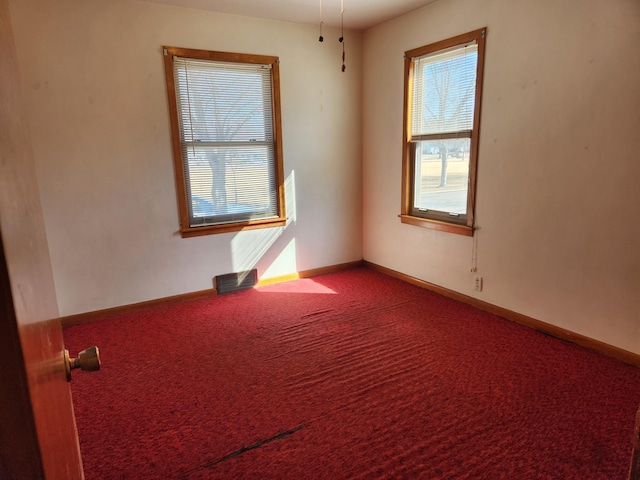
{"x": 352, "y": 375}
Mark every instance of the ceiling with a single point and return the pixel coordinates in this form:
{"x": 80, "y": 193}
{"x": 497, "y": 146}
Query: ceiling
{"x": 358, "y": 14}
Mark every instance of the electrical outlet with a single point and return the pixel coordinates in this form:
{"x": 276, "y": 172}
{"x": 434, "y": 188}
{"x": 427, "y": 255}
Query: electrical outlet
{"x": 477, "y": 284}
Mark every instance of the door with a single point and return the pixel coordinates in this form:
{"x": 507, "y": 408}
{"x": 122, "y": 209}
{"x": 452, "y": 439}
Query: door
{"x": 38, "y": 437}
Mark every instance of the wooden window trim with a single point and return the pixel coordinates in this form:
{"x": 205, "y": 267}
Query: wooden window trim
{"x": 406, "y": 215}
{"x": 185, "y": 229}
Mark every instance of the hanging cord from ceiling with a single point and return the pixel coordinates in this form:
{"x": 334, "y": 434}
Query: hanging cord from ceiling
{"x": 341, "y": 39}
{"x": 321, "y": 39}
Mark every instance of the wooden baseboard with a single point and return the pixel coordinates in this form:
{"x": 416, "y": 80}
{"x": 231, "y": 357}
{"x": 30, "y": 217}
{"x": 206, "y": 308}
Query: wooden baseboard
{"x": 547, "y": 328}
{"x": 558, "y": 332}
{"x": 136, "y": 307}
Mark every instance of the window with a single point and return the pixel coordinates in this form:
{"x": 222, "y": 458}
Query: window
{"x": 227, "y": 142}
{"x": 443, "y": 85}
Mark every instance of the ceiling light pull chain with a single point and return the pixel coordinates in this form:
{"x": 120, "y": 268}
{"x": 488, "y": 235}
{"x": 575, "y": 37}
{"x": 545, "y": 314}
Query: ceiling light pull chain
{"x": 341, "y": 39}
{"x": 321, "y": 39}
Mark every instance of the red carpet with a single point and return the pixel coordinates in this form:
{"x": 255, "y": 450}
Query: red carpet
{"x": 349, "y": 375}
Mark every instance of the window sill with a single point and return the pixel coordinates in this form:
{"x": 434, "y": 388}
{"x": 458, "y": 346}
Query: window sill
{"x": 232, "y": 227}
{"x": 437, "y": 225}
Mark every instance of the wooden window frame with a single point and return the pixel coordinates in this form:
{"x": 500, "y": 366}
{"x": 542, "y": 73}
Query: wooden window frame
{"x": 437, "y": 221}
{"x": 181, "y": 186}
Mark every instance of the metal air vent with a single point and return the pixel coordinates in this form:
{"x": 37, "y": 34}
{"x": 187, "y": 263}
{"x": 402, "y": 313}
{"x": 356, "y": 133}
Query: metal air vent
{"x": 232, "y": 282}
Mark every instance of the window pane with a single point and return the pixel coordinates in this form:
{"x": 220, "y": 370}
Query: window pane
{"x": 223, "y": 102}
{"x": 230, "y": 183}
{"x": 442, "y": 175}
{"x": 444, "y": 91}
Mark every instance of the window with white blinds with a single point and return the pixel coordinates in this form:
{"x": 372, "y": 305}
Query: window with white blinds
{"x": 229, "y": 165}
{"x": 444, "y": 85}
{"x": 442, "y": 111}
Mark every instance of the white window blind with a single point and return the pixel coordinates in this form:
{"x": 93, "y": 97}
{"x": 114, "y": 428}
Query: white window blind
{"x": 444, "y": 85}
{"x": 227, "y": 138}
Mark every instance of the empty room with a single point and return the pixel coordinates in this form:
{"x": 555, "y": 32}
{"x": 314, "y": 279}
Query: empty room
{"x": 320, "y": 239}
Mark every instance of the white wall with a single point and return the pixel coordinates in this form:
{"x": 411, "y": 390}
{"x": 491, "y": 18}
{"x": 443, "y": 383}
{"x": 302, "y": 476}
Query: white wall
{"x": 558, "y": 198}
{"x": 93, "y": 80}
{"x": 558, "y": 227}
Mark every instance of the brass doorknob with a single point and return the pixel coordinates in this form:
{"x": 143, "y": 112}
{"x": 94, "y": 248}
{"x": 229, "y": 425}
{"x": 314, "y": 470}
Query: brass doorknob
{"x": 88, "y": 360}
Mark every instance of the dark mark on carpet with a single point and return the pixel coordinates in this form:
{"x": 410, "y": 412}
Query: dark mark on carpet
{"x": 242, "y": 450}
